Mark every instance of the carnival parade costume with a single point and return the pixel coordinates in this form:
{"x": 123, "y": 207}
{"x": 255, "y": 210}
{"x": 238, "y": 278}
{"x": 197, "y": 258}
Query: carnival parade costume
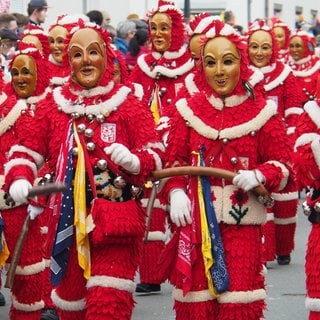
{"x": 100, "y": 222}
{"x": 306, "y": 165}
{"x": 161, "y": 75}
{"x": 27, "y": 290}
{"x": 280, "y": 86}
{"x": 232, "y": 133}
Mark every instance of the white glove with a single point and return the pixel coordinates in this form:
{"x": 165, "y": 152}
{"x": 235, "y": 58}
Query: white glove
{"x": 180, "y": 208}
{"x": 34, "y": 211}
{"x": 19, "y": 190}
{"x": 122, "y": 156}
{"x": 248, "y": 179}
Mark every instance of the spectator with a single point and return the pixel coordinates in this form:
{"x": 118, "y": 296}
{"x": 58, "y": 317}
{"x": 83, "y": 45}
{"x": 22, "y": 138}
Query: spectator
{"x": 37, "y": 12}
{"x": 229, "y": 18}
{"x": 106, "y": 19}
{"x": 8, "y": 21}
{"x": 22, "y": 21}
{"x": 95, "y": 16}
{"x": 8, "y": 43}
{"x": 125, "y": 32}
{"x": 137, "y": 46}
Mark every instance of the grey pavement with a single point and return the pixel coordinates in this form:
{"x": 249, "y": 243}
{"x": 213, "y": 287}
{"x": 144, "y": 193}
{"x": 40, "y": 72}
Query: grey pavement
{"x": 285, "y": 288}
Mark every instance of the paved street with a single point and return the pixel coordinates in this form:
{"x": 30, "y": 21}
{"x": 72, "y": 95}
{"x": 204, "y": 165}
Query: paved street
{"x": 285, "y": 288}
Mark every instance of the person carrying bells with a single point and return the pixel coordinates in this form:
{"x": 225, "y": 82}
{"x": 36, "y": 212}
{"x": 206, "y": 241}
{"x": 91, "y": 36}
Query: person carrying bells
{"x": 161, "y": 73}
{"x": 214, "y": 259}
{"x": 103, "y": 146}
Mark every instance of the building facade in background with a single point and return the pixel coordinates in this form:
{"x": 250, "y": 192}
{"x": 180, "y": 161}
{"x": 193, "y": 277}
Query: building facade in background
{"x": 244, "y": 10}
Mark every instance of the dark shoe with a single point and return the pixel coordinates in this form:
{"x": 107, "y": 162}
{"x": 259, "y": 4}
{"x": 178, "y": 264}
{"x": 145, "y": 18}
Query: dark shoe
{"x": 284, "y": 260}
{"x": 2, "y": 300}
{"x": 49, "y": 314}
{"x": 148, "y": 288}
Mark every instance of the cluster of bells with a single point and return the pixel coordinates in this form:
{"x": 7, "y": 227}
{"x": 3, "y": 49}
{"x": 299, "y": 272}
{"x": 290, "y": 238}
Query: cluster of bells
{"x": 162, "y": 92}
{"x": 119, "y": 182}
{"x": 307, "y": 210}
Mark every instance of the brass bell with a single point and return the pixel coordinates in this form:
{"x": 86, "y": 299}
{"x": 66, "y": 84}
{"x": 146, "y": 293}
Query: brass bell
{"x": 81, "y": 127}
{"x": 119, "y": 182}
{"x": 225, "y": 140}
{"x": 234, "y": 160}
{"x": 100, "y": 118}
{"x": 75, "y": 151}
{"x": 75, "y": 115}
{"x": 135, "y": 191}
{"x": 162, "y": 91}
{"x": 90, "y": 117}
{"x": 102, "y": 164}
{"x": 90, "y": 146}
{"x": 88, "y": 132}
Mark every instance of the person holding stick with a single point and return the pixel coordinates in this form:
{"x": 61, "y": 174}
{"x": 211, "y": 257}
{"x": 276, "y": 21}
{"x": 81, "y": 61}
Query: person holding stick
{"x": 28, "y": 87}
{"x": 214, "y": 259}
{"x": 103, "y": 145}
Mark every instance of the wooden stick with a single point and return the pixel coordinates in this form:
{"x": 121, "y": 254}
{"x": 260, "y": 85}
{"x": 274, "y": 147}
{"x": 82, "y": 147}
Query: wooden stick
{"x": 35, "y": 191}
{"x": 264, "y": 196}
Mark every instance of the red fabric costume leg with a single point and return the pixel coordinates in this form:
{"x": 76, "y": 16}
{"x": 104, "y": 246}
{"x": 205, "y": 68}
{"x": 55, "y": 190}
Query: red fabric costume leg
{"x": 152, "y": 249}
{"x": 69, "y": 296}
{"x": 269, "y": 237}
{"x": 245, "y": 299}
{"x": 312, "y": 270}
{"x": 27, "y": 286}
{"x": 111, "y": 285}
{"x": 285, "y": 211}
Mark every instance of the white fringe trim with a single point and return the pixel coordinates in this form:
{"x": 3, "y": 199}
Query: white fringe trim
{"x": 270, "y": 216}
{"x": 230, "y": 133}
{"x": 192, "y": 296}
{"x": 75, "y": 306}
{"x": 285, "y": 221}
{"x": 305, "y": 138}
{"x": 104, "y": 108}
{"x": 313, "y": 110}
{"x": 285, "y": 173}
{"x": 242, "y": 296}
{"x": 31, "y": 269}
{"x": 19, "y": 162}
{"x": 35, "y": 306}
{"x": 37, "y": 157}
{"x": 293, "y": 110}
{"x": 157, "y": 236}
{"x": 14, "y": 114}
{"x": 285, "y": 196}
{"x": 312, "y": 304}
{"x": 111, "y": 282}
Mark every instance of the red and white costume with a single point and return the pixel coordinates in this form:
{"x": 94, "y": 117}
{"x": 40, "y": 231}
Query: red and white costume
{"x": 306, "y": 69}
{"x": 280, "y": 85}
{"x": 306, "y": 165}
{"x": 283, "y": 53}
{"x": 27, "y": 288}
{"x": 116, "y": 226}
{"x": 239, "y": 131}
{"x": 165, "y": 73}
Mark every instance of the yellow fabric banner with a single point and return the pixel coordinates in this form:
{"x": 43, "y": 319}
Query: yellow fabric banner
{"x": 80, "y": 210}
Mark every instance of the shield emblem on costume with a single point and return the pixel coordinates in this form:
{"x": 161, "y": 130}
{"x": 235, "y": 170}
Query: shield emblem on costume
{"x": 108, "y": 132}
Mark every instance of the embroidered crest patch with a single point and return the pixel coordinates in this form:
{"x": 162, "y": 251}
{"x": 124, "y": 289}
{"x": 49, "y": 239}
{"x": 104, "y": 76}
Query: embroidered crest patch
{"x": 108, "y": 132}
